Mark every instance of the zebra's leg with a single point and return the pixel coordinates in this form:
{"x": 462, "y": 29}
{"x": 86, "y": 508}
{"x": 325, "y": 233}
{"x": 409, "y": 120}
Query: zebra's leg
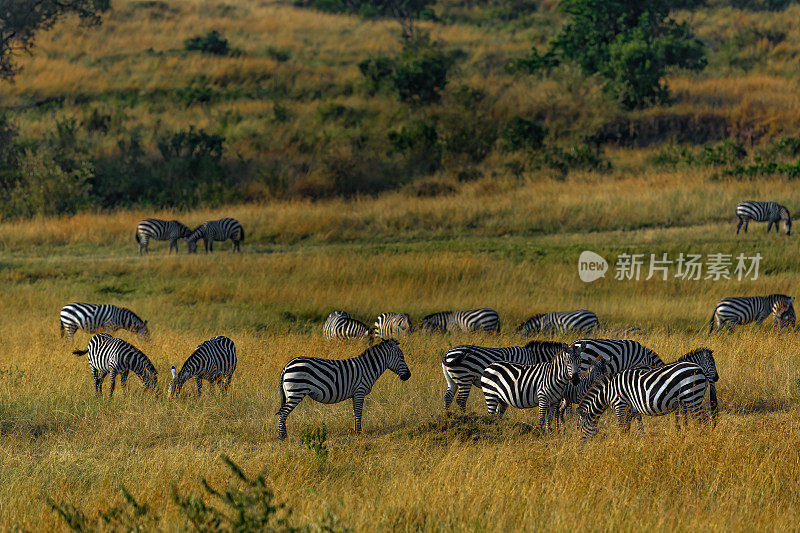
{"x": 173, "y": 243}
{"x": 283, "y": 412}
{"x": 358, "y": 407}
{"x": 226, "y": 384}
{"x": 741, "y": 221}
{"x": 199, "y": 386}
{"x": 211, "y": 245}
{"x": 452, "y": 387}
{"x": 463, "y": 394}
{"x": 492, "y": 402}
{"x": 98, "y": 382}
{"x": 113, "y": 376}
{"x": 622, "y": 410}
{"x": 123, "y": 381}
{"x": 205, "y": 243}
{"x": 769, "y": 226}
{"x": 544, "y": 407}
{"x": 211, "y": 384}
{"x": 501, "y": 409}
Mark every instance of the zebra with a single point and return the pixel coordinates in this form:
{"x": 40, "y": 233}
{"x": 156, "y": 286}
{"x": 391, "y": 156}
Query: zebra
{"x": 618, "y": 355}
{"x": 771, "y": 212}
{"x": 213, "y": 360}
{"x": 704, "y": 358}
{"x": 99, "y": 317}
{"x": 583, "y": 321}
{"x": 109, "y": 355}
{"x": 463, "y": 365}
{"x": 650, "y": 391}
{"x": 216, "y": 230}
{"x": 475, "y": 320}
{"x": 160, "y": 230}
{"x": 525, "y": 386}
{"x": 341, "y": 326}
{"x": 332, "y": 381}
{"x": 574, "y": 392}
{"x": 746, "y": 309}
{"x": 391, "y": 325}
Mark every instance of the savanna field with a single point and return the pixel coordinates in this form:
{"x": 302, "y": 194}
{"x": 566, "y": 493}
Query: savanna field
{"x": 506, "y": 236}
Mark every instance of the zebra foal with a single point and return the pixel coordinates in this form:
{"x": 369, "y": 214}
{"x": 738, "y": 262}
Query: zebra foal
{"x": 484, "y": 319}
{"x": 770, "y": 212}
{"x": 100, "y": 317}
{"x": 332, "y": 381}
{"x": 216, "y": 230}
{"x": 111, "y": 356}
{"x": 160, "y": 230}
{"x": 746, "y": 309}
{"x": 213, "y": 360}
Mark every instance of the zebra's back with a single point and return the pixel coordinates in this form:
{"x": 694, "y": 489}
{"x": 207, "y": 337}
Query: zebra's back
{"x": 339, "y": 325}
{"x": 617, "y": 354}
{"x": 581, "y": 320}
{"x": 392, "y": 325}
{"x": 214, "y": 357}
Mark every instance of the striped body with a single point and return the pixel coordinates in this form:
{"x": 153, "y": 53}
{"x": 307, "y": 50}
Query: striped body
{"x": 160, "y": 230}
{"x": 618, "y": 355}
{"x": 214, "y": 360}
{"x": 332, "y": 381}
{"x": 391, "y": 325}
{"x": 649, "y": 391}
{"x": 216, "y": 230}
{"x": 704, "y": 358}
{"x": 100, "y": 317}
{"x": 109, "y": 355}
{"x": 340, "y": 326}
{"x": 746, "y": 309}
{"x": 463, "y": 365}
{"x": 463, "y": 321}
{"x": 770, "y": 212}
{"x": 583, "y": 321}
{"x": 526, "y": 386}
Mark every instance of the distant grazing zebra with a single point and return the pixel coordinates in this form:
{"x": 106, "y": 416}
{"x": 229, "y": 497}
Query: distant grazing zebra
{"x": 704, "y": 358}
{"x": 340, "y": 326}
{"x": 216, "y": 230}
{"x": 331, "y": 381}
{"x": 526, "y": 386}
{"x": 771, "y": 212}
{"x": 214, "y": 360}
{"x": 746, "y": 309}
{"x": 100, "y": 317}
{"x": 391, "y": 325}
{"x": 109, "y": 355}
{"x": 649, "y": 391}
{"x": 475, "y": 320}
{"x": 559, "y": 322}
{"x": 160, "y": 230}
{"x": 463, "y": 365}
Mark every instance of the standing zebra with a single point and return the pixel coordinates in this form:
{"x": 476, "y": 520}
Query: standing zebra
{"x": 525, "y": 386}
{"x": 391, "y": 325}
{"x": 160, "y": 230}
{"x": 332, "y": 381}
{"x": 109, "y": 355}
{"x": 583, "y": 321}
{"x": 771, "y": 212}
{"x": 216, "y": 230}
{"x": 617, "y": 354}
{"x": 650, "y": 391}
{"x": 704, "y": 358}
{"x": 746, "y": 309}
{"x": 340, "y": 326}
{"x": 214, "y": 360}
{"x": 475, "y": 320}
{"x": 463, "y": 365}
{"x": 100, "y": 317}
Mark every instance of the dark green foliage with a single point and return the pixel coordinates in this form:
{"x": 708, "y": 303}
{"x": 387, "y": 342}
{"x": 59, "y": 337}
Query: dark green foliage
{"x": 764, "y": 168}
{"x": 131, "y": 517}
{"x": 315, "y": 440}
{"x": 723, "y": 153}
{"x": 280, "y": 55}
{"x": 468, "y": 129}
{"x": 576, "y": 157}
{"x": 376, "y": 71}
{"x": 523, "y": 134}
{"x": 420, "y": 146}
{"x": 762, "y": 5}
{"x": 211, "y": 43}
{"x": 535, "y": 62}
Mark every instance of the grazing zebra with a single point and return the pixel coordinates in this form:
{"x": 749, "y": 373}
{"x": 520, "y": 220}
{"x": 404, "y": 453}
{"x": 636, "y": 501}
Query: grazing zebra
{"x": 216, "y": 230}
{"x": 332, "y": 381}
{"x": 109, "y": 355}
{"x": 582, "y": 320}
{"x": 475, "y": 320}
{"x": 704, "y": 358}
{"x": 100, "y": 317}
{"x": 574, "y": 393}
{"x": 391, "y": 325}
{"x": 214, "y": 360}
{"x": 340, "y": 326}
{"x": 650, "y": 391}
{"x": 525, "y": 386}
{"x": 771, "y": 212}
{"x": 160, "y": 230}
{"x": 617, "y": 354}
{"x": 463, "y": 365}
{"x": 746, "y": 309}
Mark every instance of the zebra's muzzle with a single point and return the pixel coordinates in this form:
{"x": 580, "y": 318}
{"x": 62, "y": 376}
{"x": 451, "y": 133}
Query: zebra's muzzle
{"x": 405, "y": 377}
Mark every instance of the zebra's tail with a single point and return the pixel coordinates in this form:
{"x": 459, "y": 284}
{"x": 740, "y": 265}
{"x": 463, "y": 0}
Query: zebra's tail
{"x": 712, "y": 402}
{"x": 136, "y": 236}
{"x": 80, "y": 352}
{"x": 711, "y": 322}
{"x": 283, "y": 394}
{"x": 61, "y": 328}
{"x": 241, "y": 233}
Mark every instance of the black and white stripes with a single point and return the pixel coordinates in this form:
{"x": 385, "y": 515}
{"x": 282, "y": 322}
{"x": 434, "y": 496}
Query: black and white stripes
{"x": 559, "y": 322}
{"x": 391, "y": 325}
{"x": 464, "y": 321}
{"x": 332, "y": 381}
{"x": 214, "y": 360}
{"x": 745, "y": 309}
{"x": 160, "y": 230}
{"x": 100, "y": 317}
{"x": 770, "y": 212}
{"x": 216, "y": 230}
{"x": 109, "y": 355}
{"x": 341, "y": 326}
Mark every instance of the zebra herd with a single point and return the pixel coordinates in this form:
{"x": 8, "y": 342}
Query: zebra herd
{"x": 172, "y": 230}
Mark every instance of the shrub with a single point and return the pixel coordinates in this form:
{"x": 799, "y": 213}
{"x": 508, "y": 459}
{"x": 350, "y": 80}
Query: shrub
{"x": 469, "y": 131}
{"x": 576, "y": 157}
{"x": 420, "y": 145}
{"x": 520, "y": 133}
{"x": 211, "y": 43}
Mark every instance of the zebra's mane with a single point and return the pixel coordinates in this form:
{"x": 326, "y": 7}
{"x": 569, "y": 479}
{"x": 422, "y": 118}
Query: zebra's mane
{"x": 440, "y": 314}
{"x": 388, "y": 343}
{"x": 137, "y": 317}
{"x": 696, "y": 351}
{"x": 546, "y": 344}
{"x": 534, "y": 317}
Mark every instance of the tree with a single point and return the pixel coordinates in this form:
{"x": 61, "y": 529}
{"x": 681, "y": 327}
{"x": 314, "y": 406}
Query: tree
{"x": 20, "y": 20}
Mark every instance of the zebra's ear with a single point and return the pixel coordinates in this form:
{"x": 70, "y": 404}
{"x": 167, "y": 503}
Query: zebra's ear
{"x": 174, "y": 374}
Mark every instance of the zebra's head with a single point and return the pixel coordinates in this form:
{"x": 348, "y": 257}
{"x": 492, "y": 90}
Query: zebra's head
{"x": 593, "y": 404}
{"x": 574, "y": 356}
{"x": 175, "y": 384}
{"x": 150, "y": 377}
{"x": 434, "y": 322}
{"x": 140, "y": 328}
{"x": 395, "y": 361}
{"x": 532, "y": 325}
{"x": 705, "y": 358}
{"x": 784, "y": 313}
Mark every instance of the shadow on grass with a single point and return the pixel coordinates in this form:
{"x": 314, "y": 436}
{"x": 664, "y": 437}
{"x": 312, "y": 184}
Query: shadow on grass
{"x": 760, "y": 406}
{"x": 447, "y": 428}
{"x": 33, "y": 430}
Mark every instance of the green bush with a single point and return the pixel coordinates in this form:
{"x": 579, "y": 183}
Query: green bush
{"x": 211, "y": 43}
{"x": 420, "y": 145}
{"x": 523, "y": 134}
{"x": 468, "y": 129}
